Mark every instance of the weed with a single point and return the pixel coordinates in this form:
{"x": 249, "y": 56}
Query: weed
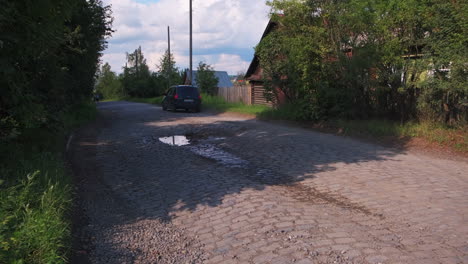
{"x": 35, "y": 193}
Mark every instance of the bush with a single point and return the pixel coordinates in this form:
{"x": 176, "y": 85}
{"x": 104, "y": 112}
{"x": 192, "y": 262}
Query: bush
{"x": 35, "y": 192}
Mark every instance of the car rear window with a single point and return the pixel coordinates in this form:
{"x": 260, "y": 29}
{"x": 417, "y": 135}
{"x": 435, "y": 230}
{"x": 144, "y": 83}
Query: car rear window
{"x": 187, "y": 91}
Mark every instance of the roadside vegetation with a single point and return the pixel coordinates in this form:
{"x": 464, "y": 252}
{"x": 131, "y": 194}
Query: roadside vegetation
{"x": 361, "y": 60}
{"x": 49, "y": 52}
{"x": 392, "y": 68}
{"x": 36, "y": 193}
{"x": 455, "y": 138}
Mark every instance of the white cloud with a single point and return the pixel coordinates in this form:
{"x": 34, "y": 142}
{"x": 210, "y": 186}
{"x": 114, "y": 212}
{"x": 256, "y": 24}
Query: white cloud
{"x": 225, "y": 31}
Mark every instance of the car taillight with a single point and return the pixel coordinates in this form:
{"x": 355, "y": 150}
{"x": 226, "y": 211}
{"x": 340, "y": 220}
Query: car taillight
{"x": 176, "y": 96}
{"x": 199, "y": 97}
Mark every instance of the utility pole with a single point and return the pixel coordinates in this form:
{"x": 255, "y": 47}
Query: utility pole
{"x": 191, "y": 67}
{"x": 169, "y": 56}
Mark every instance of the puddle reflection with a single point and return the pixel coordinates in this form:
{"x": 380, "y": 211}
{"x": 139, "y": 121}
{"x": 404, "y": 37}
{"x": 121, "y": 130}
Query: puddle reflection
{"x": 175, "y": 140}
{"x": 207, "y": 150}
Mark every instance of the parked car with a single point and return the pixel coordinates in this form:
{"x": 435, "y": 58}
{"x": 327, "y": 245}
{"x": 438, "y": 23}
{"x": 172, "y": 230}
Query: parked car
{"x": 182, "y": 97}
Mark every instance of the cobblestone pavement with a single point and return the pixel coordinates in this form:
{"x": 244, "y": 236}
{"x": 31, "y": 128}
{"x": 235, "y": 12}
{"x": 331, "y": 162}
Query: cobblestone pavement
{"x": 247, "y": 191}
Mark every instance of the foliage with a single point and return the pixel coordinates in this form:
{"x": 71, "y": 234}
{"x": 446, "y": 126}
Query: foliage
{"x": 206, "y": 79}
{"x": 49, "y": 54}
{"x": 169, "y": 73}
{"x": 136, "y": 77}
{"x": 353, "y": 59}
{"x": 49, "y": 50}
{"x": 108, "y": 83}
{"x": 35, "y": 193}
{"x": 139, "y": 81}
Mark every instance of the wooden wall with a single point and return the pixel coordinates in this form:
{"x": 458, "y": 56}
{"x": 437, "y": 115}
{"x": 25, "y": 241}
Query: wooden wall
{"x": 236, "y": 94}
{"x": 258, "y": 96}
{"x": 248, "y": 94}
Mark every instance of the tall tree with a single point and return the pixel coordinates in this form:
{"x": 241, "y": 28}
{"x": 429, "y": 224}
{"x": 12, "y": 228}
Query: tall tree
{"x": 49, "y": 51}
{"x": 168, "y": 70}
{"x": 136, "y": 76}
{"x": 108, "y": 83}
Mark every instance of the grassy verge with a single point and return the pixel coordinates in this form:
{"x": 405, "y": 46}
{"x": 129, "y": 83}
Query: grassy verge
{"x": 219, "y": 104}
{"x": 453, "y": 138}
{"x": 35, "y": 193}
{"x": 456, "y": 138}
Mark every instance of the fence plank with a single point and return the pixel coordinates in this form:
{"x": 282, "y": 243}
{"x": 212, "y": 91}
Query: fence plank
{"x": 236, "y": 94}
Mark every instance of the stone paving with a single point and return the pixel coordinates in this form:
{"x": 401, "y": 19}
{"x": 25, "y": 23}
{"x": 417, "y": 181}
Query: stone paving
{"x": 298, "y": 197}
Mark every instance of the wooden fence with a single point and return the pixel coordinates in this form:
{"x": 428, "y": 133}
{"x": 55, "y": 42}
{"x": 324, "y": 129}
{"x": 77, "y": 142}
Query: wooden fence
{"x": 236, "y": 94}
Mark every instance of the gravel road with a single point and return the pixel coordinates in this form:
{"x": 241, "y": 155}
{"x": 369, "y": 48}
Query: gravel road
{"x": 176, "y": 187}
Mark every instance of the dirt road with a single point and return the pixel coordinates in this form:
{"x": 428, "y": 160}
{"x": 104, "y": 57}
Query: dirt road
{"x": 245, "y": 191}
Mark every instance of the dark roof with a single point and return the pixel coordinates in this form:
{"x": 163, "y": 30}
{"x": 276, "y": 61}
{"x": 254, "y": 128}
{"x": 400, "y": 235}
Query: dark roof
{"x": 223, "y": 78}
{"x": 255, "y": 61}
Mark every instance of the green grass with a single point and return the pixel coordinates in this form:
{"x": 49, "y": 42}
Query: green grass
{"x": 219, "y": 104}
{"x": 35, "y": 193}
{"x": 454, "y": 137}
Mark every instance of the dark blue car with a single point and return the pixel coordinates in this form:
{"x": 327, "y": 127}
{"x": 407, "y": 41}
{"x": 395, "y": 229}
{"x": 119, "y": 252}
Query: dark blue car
{"x": 182, "y": 97}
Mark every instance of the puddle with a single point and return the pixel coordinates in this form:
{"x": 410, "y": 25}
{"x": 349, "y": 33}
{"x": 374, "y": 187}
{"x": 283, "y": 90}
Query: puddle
{"x": 211, "y": 152}
{"x": 175, "y": 140}
{"x": 205, "y": 148}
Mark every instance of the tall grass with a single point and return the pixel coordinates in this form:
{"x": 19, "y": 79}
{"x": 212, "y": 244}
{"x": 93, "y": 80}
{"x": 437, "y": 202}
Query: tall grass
{"x": 35, "y": 193}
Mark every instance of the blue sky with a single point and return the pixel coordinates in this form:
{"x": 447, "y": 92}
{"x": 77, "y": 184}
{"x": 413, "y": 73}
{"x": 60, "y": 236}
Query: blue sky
{"x": 225, "y": 31}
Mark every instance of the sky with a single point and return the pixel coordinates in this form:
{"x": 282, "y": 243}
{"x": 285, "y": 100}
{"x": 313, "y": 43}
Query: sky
{"x": 225, "y": 32}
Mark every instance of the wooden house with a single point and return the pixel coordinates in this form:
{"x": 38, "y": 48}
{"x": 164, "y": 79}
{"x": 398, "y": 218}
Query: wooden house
{"x": 254, "y": 76}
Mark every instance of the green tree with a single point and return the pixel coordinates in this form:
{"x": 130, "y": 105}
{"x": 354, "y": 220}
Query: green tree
{"x": 206, "y": 79}
{"x": 49, "y": 51}
{"x": 168, "y": 71}
{"x": 444, "y": 95}
{"x": 360, "y": 59}
{"x": 108, "y": 83}
{"x": 136, "y": 76}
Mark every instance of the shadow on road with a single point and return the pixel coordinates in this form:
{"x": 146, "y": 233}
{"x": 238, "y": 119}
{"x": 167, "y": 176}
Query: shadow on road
{"x": 124, "y": 173}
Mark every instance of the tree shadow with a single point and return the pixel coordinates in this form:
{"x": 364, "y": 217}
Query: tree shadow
{"x": 154, "y": 180}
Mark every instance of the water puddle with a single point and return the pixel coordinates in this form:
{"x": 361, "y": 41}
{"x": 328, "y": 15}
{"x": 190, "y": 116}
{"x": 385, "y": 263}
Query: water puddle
{"x": 211, "y": 152}
{"x": 207, "y": 149}
{"x": 175, "y": 140}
